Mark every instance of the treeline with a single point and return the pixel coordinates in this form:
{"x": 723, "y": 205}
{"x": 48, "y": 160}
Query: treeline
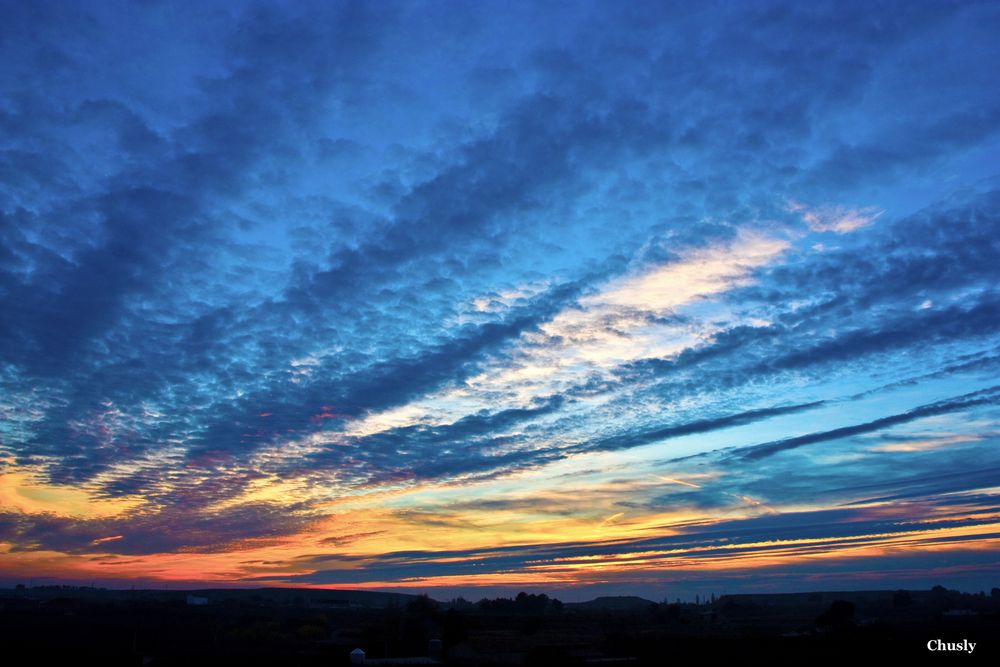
{"x": 524, "y": 603}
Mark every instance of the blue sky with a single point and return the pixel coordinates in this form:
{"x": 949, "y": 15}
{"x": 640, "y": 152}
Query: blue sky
{"x": 483, "y": 296}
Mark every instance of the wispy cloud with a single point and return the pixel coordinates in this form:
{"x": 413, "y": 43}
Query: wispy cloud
{"x": 835, "y": 218}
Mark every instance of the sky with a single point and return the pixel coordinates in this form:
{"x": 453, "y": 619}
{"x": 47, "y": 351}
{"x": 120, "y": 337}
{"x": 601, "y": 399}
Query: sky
{"x": 467, "y": 298}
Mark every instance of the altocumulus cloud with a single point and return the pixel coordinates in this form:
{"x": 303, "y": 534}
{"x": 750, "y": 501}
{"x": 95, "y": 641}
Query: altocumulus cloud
{"x": 313, "y": 277}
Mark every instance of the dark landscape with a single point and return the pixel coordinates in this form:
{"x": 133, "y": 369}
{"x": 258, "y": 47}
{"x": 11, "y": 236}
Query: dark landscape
{"x": 322, "y": 627}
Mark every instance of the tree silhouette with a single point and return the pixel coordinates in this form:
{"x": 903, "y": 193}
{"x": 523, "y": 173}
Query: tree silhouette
{"x": 839, "y": 616}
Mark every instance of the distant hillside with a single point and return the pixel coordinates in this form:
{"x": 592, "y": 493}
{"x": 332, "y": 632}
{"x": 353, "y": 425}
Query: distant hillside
{"x": 277, "y": 596}
{"x": 612, "y": 603}
{"x": 376, "y": 599}
{"x": 863, "y": 597}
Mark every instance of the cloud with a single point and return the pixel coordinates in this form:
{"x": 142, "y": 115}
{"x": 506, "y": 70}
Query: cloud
{"x": 835, "y": 219}
{"x": 985, "y": 397}
{"x": 274, "y": 278}
{"x": 753, "y": 544}
{"x": 701, "y": 426}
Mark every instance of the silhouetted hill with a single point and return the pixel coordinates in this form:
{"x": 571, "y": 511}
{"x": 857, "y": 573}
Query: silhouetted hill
{"x": 308, "y": 597}
{"x": 612, "y": 603}
{"x": 312, "y": 596}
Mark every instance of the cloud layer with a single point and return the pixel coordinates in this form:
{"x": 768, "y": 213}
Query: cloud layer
{"x": 448, "y": 295}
